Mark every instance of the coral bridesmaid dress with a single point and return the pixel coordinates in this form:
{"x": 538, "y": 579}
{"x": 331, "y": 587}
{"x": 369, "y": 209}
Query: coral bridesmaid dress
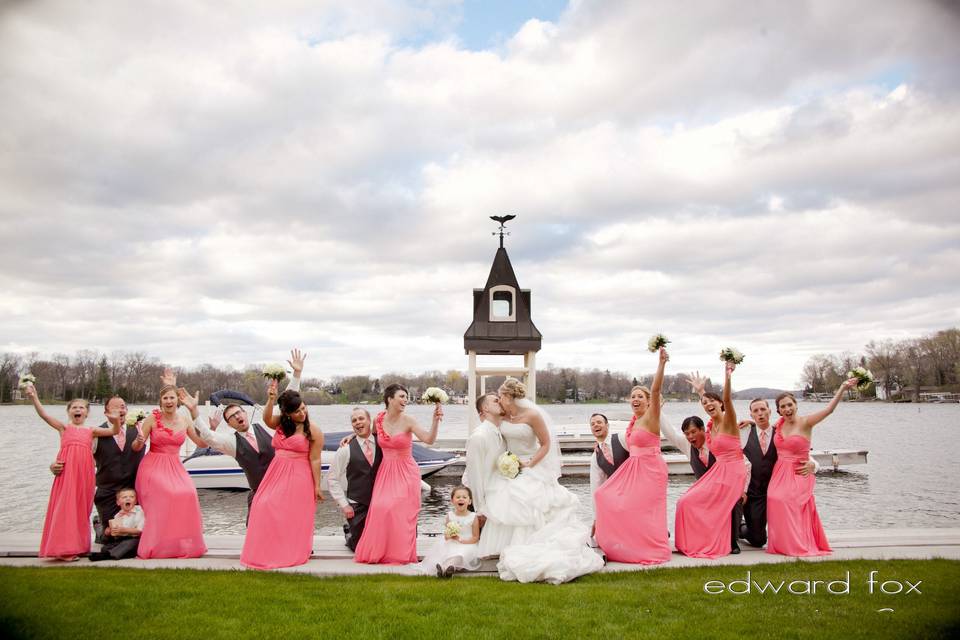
{"x": 390, "y": 535}
{"x": 632, "y": 505}
{"x": 280, "y": 533}
{"x": 66, "y": 528}
{"x": 174, "y": 526}
{"x": 703, "y": 512}
{"x": 793, "y": 526}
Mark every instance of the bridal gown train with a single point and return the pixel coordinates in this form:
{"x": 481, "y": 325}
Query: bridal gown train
{"x": 547, "y": 540}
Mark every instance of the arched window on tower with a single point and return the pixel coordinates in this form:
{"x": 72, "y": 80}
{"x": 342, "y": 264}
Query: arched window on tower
{"x": 503, "y": 304}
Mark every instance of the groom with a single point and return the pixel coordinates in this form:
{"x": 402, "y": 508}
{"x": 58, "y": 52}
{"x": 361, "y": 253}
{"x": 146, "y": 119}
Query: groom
{"x": 484, "y": 446}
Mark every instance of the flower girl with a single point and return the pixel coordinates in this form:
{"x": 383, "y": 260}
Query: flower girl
{"x": 461, "y": 533}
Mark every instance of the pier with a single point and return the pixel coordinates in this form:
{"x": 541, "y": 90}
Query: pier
{"x": 331, "y": 558}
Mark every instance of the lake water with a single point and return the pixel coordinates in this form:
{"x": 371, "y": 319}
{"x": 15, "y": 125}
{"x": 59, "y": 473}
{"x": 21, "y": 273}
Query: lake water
{"x": 911, "y": 478}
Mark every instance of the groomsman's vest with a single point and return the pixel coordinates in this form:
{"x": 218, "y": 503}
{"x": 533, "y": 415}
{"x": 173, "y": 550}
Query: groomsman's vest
{"x": 697, "y": 464}
{"x": 761, "y": 466}
{"x": 254, "y": 463}
{"x": 116, "y": 469}
{"x": 617, "y": 451}
{"x": 360, "y": 473}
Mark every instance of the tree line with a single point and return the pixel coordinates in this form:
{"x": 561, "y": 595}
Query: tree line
{"x": 902, "y": 369}
{"x": 135, "y": 376}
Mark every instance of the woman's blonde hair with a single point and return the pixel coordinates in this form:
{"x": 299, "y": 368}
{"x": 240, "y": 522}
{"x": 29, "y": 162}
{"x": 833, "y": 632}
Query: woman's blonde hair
{"x": 168, "y": 387}
{"x": 514, "y": 388}
{"x": 645, "y": 390}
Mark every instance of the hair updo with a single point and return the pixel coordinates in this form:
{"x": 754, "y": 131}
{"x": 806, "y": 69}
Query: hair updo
{"x": 514, "y": 388}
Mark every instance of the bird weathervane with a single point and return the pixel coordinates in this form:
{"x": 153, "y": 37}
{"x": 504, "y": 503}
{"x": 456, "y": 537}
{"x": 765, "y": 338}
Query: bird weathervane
{"x": 502, "y": 220}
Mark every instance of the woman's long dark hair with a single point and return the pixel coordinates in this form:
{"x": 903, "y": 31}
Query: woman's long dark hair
{"x": 289, "y": 401}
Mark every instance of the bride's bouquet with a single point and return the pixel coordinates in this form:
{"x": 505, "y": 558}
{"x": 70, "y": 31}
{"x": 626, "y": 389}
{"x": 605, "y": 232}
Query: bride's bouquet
{"x": 435, "y": 394}
{"x": 729, "y": 354}
{"x": 134, "y": 418}
{"x": 508, "y": 464}
{"x": 452, "y": 529}
{"x": 25, "y": 379}
{"x": 864, "y": 377}
{"x": 656, "y": 342}
{"x": 274, "y": 372}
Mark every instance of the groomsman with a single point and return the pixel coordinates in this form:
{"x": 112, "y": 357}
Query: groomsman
{"x": 115, "y": 459}
{"x": 252, "y": 447}
{"x": 608, "y": 454}
{"x": 759, "y": 448}
{"x": 484, "y": 446}
{"x": 701, "y": 459}
{"x": 352, "y": 474}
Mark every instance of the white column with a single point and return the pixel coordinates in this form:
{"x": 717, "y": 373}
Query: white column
{"x": 530, "y": 362}
{"x": 474, "y": 420}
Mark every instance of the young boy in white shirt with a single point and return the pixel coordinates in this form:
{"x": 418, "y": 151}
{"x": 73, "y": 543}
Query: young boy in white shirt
{"x": 122, "y": 536}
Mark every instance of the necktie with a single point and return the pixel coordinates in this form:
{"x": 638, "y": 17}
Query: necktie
{"x": 605, "y": 448}
{"x": 368, "y": 451}
{"x": 704, "y": 456}
{"x": 763, "y": 441}
{"x": 253, "y": 441}
{"x": 121, "y": 439}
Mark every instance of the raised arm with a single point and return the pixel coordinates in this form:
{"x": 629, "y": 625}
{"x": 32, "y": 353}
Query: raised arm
{"x": 814, "y": 418}
{"x": 296, "y": 363}
{"x": 46, "y": 417}
{"x": 729, "y": 412}
{"x": 113, "y": 419}
{"x": 674, "y": 436}
{"x": 222, "y": 442}
{"x": 422, "y": 434}
{"x": 316, "y": 451}
{"x": 269, "y": 419}
{"x": 651, "y": 419}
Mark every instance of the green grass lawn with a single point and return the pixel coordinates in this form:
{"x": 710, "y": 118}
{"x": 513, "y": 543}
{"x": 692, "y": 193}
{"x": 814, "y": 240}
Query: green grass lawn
{"x": 74, "y": 602}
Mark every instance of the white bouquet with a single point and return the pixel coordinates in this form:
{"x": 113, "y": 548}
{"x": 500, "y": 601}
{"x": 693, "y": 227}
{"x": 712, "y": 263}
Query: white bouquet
{"x": 864, "y": 377}
{"x": 434, "y": 394}
{"x": 508, "y": 464}
{"x": 656, "y": 342}
{"x": 275, "y": 372}
{"x": 730, "y": 354}
{"x": 25, "y": 379}
{"x": 453, "y": 529}
{"x": 134, "y": 418}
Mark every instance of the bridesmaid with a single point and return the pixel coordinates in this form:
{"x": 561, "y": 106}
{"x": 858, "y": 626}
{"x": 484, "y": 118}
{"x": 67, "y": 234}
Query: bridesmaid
{"x": 174, "y": 525}
{"x": 280, "y": 532}
{"x": 390, "y": 535}
{"x": 703, "y": 513}
{"x": 631, "y": 507}
{"x": 66, "y": 528}
{"x": 793, "y": 526}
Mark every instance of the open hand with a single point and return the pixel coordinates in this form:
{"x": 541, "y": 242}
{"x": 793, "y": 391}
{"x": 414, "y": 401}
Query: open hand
{"x": 168, "y": 377}
{"x": 296, "y": 362}
{"x": 187, "y": 400}
{"x": 698, "y": 382}
{"x": 346, "y": 439}
{"x": 215, "y": 419}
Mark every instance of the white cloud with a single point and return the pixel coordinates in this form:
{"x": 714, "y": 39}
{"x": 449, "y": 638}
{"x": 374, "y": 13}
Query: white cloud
{"x": 219, "y": 184}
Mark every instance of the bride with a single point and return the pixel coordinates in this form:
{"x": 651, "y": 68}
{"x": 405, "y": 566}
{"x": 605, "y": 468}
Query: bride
{"x": 546, "y": 541}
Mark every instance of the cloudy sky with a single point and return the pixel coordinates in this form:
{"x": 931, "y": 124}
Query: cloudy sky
{"x": 220, "y": 181}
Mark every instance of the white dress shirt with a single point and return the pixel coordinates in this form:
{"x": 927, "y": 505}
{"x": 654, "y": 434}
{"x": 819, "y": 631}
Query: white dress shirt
{"x": 133, "y": 520}
{"x": 597, "y": 475}
{"x": 226, "y": 442}
{"x": 337, "y": 474}
{"x": 484, "y": 446}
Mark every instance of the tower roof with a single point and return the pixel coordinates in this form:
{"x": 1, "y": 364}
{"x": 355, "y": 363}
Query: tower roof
{"x": 511, "y": 334}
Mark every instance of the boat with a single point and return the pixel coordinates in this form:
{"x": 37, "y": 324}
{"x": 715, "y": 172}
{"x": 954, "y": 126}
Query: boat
{"x": 219, "y": 471}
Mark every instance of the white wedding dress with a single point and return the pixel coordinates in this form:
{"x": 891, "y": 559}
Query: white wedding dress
{"x": 547, "y": 541}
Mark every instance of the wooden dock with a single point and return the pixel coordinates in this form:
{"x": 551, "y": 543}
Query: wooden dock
{"x": 576, "y": 449}
{"x": 331, "y": 558}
